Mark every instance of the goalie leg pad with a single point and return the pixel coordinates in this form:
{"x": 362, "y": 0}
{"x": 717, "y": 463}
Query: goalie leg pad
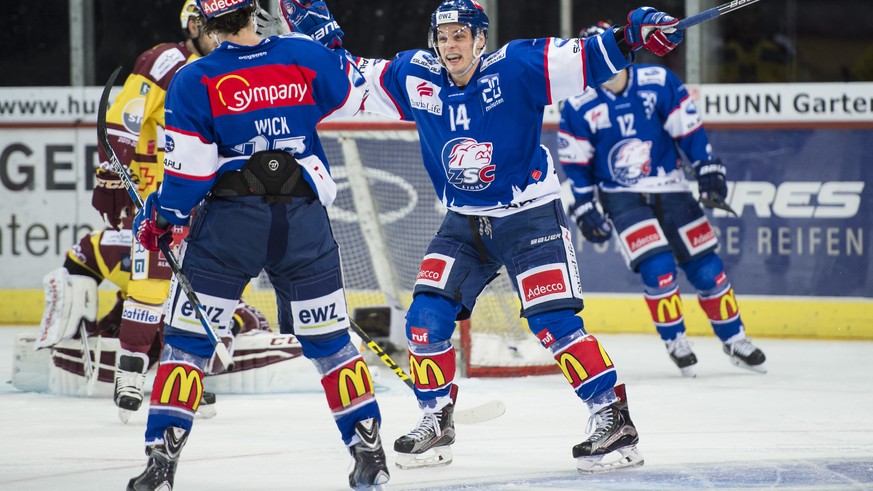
{"x": 176, "y": 393}
{"x": 585, "y": 364}
{"x": 349, "y": 389}
{"x": 68, "y": 299}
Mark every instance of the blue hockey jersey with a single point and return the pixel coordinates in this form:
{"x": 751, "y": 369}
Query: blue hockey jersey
{"x": 630, "y": 141}
{"x": 239, "y": 100}
{"x": 481, "y": 143}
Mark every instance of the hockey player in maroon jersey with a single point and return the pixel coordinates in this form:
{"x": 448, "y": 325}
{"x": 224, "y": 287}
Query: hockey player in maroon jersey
{"x": 135, "y": 124}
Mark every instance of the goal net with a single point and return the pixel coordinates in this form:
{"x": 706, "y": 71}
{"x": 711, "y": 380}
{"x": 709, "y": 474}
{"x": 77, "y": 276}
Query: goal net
{"x": 385, "y": 214}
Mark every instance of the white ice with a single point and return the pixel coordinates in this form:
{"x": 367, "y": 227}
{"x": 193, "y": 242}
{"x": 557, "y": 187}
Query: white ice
{"x": 804, "y": 425}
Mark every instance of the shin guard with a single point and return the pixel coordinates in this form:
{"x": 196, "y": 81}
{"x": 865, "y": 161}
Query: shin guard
{"x": 176, "y": 393}
{"x": 348, "y": 387}
{"x": 722, "y": 310}
{"x": 667, "y": 312}
{"x": 432, "y": 368}
{"x": 585, "y": 364}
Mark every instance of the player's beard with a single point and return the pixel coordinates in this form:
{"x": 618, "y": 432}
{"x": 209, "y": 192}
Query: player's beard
{"x": 199, "y": 45}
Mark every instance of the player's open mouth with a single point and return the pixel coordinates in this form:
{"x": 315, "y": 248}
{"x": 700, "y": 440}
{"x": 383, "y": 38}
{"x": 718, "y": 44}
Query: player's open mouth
{"x": 453, "y": 58}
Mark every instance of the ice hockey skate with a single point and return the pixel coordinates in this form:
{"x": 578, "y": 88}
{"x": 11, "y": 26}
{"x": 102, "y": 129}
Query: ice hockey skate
{"x": 369, "y": 466}
{"x": 161, "y": 467}
{"x": 613, "y": 441}
{"x": 129, "y": 381}
{"x": 746, "y": 355}
{"x": 429, "y": 443}
{"x": 680, "y": 352}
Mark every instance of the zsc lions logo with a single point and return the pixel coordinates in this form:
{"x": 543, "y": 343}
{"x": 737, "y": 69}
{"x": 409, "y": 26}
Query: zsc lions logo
{"x": 468, "y": 164}
{"x": 630, "y": 160}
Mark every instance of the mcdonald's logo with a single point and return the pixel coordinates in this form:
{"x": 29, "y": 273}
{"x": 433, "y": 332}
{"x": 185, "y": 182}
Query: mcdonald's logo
{"x": 419, "y": 372}
{"x": 360, "y": 379}
{"x": 183, "y": 386}
{"x": 573, "y": 369}
{"x": 727, "y": 306}
{"x": 669, "y": 309}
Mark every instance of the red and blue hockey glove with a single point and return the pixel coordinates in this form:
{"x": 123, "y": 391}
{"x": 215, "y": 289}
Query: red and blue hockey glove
{"x": 591, "y": 222}
{"x": 314, "y": 20}
{"x": 111, "y": 199}
{"x": 711, "y": 180}
{"x": 653, "y": 30}
{"x": 150, "y": 227}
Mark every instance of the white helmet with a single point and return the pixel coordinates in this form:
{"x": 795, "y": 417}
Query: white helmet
{"x": 190, "y": 9}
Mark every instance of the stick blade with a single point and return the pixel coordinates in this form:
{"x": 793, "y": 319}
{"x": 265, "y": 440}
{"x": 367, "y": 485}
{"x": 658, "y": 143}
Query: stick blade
{"x": 481, "y": 413}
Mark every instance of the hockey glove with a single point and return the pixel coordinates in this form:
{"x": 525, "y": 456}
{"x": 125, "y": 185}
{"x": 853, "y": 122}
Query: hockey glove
{"x": 110, "y": 199}
{"x": 653, "y": 30}
{"x": 247, "y": 318}
{"x": 711, "y": 180}
{"x": 150, "y": 227}
{"x": 266, "y": 25}
{"x": 314, "y": 20}
{"x": 593, "y": 225}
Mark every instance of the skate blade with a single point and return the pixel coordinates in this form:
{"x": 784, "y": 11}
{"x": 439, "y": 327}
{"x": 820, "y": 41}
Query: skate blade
{"x": 206, "y": 411}
{"x": 380, "y": 486}
{"x": 435, "y": 457}
{"x": 689, "y": 371}
{"x": 623, "y": 458}
{"x": 762, "y": 368}
{"x": 370, "y": 487}
{"x": 124, "y": 415}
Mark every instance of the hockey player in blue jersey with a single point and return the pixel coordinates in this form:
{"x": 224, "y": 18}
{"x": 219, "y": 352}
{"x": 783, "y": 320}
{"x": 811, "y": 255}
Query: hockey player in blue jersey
{"x": 241, "y": 142}
{"x": 479, "y": 117}
{"x": 621, "y": 142}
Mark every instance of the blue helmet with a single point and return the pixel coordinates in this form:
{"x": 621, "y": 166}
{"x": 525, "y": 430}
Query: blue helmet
{"x": 595, "y": 30}
{"x": 214, "y": 8}
{"x": 467, "y": 12}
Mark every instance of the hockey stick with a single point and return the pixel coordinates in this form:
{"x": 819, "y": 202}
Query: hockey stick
{"x": 478, "y": 414}
{"x": 712, "y": 13}
{"x": 88, "y": 370}
{"x": 103, "y": 138}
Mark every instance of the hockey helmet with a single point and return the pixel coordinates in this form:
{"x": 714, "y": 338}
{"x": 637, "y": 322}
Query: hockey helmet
{"x": 595, "y": 30}
{"x": 215, "y": 8}
{"x": 189, "y": 10}
{"x": 467, "y": 12}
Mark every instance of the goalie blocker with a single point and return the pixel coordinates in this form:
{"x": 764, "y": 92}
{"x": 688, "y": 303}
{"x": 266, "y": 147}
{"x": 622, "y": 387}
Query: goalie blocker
{"x": 69, "y": 299}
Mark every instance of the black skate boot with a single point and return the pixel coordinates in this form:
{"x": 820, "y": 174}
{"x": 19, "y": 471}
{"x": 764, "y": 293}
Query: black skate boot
{"x": 370, "y": 470}
{"x": 680, "y": 352}
{"x": 429, "y": 443}
{"x": 744, "y": 354}
{"x": 161, "y": 467}
{"x": 613, "y": 441}
{"x": 129, "y": 380}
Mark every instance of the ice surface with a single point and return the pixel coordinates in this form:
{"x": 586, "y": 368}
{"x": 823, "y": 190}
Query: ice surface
{"x": 804, "y": 425}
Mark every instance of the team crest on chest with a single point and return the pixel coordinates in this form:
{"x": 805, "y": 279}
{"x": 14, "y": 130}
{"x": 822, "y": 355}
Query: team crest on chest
{"x": 468, "y": 163}
{"x": 630, "y": 160}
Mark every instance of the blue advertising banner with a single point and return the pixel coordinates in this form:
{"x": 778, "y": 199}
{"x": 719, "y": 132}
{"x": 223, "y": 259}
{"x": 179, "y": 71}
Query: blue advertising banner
{"x": 805, "y": 219}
